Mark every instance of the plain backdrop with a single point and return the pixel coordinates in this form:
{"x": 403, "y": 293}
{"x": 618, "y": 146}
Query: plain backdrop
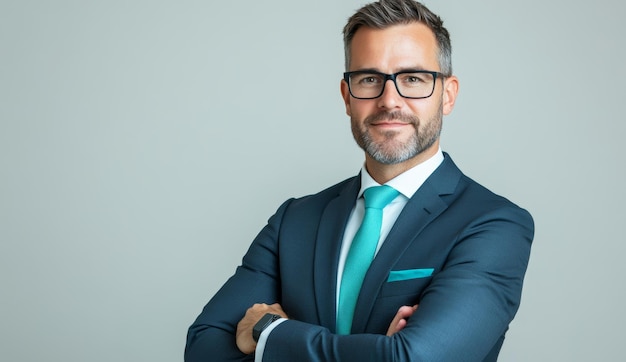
{"x": 143, "y": 144}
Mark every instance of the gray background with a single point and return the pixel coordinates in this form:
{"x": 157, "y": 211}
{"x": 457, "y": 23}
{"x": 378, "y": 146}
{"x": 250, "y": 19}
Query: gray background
{"x": 143, "y": 144}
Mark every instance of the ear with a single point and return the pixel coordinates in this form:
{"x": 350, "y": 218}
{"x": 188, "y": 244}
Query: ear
{"x": 450, "y": 91}
{"x": 345, "y": 93}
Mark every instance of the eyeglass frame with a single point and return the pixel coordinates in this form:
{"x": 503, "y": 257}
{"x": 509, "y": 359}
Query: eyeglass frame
{"x": 392, "y": 77}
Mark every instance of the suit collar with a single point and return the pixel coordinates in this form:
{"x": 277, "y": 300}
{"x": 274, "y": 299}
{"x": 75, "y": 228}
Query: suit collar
{"x": 328, "y": 244}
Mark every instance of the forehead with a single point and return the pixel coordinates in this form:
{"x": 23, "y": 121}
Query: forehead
{"x": 394, "y": 48}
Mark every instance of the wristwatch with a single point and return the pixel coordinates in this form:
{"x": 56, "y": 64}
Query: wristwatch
{"x": 263, "y": 323}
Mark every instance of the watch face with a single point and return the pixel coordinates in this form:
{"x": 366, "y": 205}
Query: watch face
{"x": 263, "y": 323}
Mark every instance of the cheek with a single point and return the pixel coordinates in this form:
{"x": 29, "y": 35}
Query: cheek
{"x": 425, "y": 109}
{"x": 359, "y": 109}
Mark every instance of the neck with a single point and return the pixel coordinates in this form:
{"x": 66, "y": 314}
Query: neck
{"x": 383, "y": 172}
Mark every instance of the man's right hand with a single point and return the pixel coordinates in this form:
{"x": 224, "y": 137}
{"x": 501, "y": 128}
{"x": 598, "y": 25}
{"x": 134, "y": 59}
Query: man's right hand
{"x": 245, "y": 342}
{"x": 399, "y": 321}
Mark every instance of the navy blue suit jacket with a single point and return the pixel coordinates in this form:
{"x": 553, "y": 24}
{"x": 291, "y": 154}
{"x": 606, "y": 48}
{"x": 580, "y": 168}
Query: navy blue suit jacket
{"x": 476, "y": 243}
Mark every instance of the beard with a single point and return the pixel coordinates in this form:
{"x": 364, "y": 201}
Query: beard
{"x": 391, "y": 151}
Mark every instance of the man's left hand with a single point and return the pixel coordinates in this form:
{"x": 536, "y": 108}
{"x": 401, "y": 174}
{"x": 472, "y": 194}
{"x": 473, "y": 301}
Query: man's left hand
{"x": 400, "y": 320}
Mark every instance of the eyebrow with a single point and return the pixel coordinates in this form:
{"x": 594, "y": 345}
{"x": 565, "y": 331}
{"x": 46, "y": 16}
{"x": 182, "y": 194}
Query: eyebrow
{"x": 408, "y": 69}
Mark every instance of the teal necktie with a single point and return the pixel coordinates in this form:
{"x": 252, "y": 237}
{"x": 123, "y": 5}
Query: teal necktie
{"x": 362, "y": 253}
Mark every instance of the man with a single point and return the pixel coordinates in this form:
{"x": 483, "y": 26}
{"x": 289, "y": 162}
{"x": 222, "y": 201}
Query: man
{"x": 445, "y": 273}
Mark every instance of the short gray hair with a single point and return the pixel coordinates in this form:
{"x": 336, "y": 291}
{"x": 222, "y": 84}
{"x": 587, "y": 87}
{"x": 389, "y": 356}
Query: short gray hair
{"x": 385, "y": 13}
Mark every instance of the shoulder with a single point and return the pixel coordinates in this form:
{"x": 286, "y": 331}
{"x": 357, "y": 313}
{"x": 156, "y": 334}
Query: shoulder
{"x": 348, "y": 185}
{"x": 473, "y": 198}
{"x": 486, "y": 204}
{"x": 346, "y": 190}
{"x": 304, "y": 214}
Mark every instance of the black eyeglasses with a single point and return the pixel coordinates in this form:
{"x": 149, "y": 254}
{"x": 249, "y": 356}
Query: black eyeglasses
{"x": 369, "y": 84}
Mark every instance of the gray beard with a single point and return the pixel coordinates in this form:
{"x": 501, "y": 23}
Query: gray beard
{"x": 389, "y": 152}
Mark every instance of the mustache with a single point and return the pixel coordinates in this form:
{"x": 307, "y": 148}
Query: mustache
{"x": 392, "y": 116}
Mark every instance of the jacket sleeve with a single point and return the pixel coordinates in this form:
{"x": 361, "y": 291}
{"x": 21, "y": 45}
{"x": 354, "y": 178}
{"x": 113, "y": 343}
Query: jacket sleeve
{"x": 462, "y": 315}
{"x": 212, "y": 336}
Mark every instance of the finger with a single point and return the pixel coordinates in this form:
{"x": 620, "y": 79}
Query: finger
{"x": 398, "y": 322}
{"x": 396, "y": 327}
{"x": 406, "y": 311}
{"x": 400, "y": 319}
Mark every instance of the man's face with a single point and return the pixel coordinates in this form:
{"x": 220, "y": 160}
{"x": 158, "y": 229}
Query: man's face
{"x": 392, "y": 129}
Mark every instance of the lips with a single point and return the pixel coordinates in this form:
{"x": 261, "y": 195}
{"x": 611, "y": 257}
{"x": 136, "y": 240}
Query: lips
{"x": 391, "y": 119}
{"x": 389, "y": 124}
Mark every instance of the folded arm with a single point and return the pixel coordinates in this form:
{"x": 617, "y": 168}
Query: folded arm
{"x": 462, "y": 314}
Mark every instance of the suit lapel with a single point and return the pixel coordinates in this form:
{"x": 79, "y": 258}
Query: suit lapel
{"x": 328, "y": 244}
{"x": 425, "y": 205}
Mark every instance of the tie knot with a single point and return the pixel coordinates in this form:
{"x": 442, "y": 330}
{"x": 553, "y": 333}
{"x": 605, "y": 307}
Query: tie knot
{"x": 378, "y": 197}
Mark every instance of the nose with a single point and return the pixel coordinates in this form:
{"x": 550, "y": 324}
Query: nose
{"x": 390, "y": 98}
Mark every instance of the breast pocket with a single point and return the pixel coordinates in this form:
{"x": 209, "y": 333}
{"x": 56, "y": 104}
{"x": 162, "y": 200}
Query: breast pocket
{"x": 394, "y": 295}
{"x": 407, "y": 281}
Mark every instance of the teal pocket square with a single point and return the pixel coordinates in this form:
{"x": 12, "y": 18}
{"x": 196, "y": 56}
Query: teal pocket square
{"x": 398, "y": 275}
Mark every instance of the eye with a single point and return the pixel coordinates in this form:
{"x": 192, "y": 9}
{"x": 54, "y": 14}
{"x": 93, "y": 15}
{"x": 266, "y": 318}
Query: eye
{"x": 416, "y": 79}
{"x": 412, "y": 79}
{"x": 368, "y": 79}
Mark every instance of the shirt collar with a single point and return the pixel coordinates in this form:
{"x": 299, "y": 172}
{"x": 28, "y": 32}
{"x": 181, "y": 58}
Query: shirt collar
{"x": 408, "y": 182}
